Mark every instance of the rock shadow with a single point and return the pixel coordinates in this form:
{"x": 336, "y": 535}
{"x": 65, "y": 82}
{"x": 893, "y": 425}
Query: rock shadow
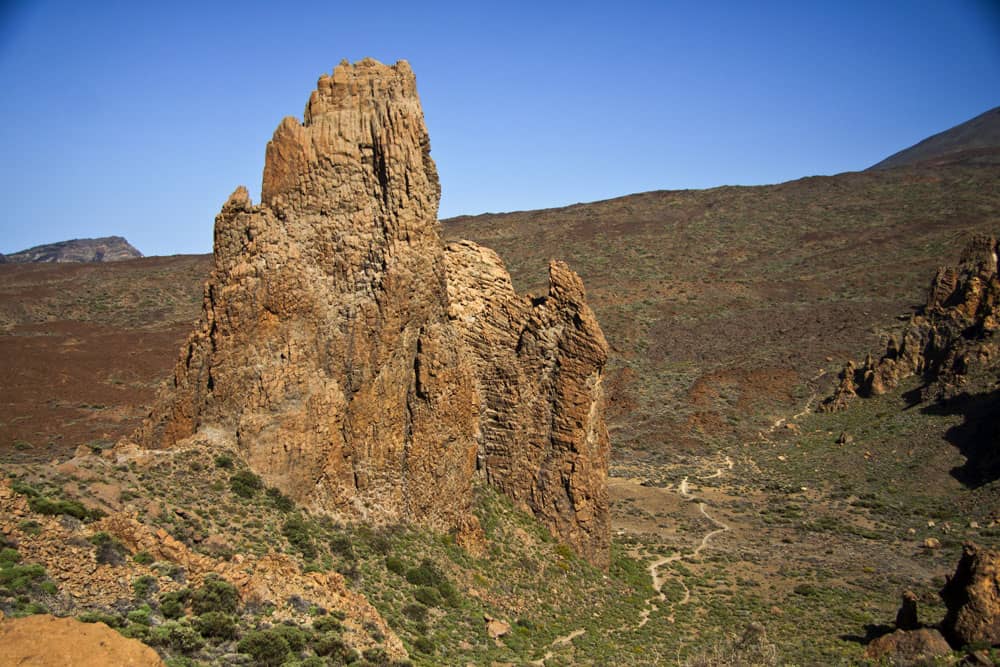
{"x": 977, "y": 438}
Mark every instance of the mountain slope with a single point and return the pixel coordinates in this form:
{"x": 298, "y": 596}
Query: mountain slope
{"x": 974, "y": 141}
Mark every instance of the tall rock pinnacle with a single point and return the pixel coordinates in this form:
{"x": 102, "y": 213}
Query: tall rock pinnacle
{"x": 369, "y": 372}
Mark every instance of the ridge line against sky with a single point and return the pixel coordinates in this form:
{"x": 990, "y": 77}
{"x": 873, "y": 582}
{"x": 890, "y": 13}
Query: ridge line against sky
{"x": 120, "y": 119}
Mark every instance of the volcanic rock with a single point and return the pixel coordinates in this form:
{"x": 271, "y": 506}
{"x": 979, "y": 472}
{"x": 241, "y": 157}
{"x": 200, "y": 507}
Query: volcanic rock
{"x": 972, "y": 596}
{"x": 369, "y": 373}
{"x": 44, "y": 640}
{"x": 106, "y": 249}
{"x": 954, "y": 333}
{"x": 909, "y": 647}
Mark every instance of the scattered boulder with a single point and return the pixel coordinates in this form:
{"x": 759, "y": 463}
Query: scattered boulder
{"x": 909, "y": 647}
{"x": 496, "y": 628}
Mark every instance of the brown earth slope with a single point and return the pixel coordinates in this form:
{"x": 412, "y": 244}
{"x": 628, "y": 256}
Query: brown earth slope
{"x": 719, "y": 305}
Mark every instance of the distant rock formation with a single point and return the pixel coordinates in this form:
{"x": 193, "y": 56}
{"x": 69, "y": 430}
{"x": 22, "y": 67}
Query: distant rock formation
{"x": 972, "y": 598}
{"x": 106, "y": 249}
{"x": 366, "y": 370}
{"x": 955, "y": 333}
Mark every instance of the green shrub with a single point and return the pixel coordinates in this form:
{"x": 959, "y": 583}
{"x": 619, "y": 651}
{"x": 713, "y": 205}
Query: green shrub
{"x": 245, "y": 484}
{"x": 224, "y": 461}
{"x": 109, "y": 550}
{"x": 424, "y": 645}
{"x": 296, "y": 530}
{"x": 30, "y": 526}
{"x": 295, "y": 636}
{"x": 177, "y": 636}
{"x": 333, "y": 646}
{"x": 279, "y": 501}
{"x": 396, "y": 565}
{"x": 143, "y": 558}
{"x": 172, "y": 604}
{"x": 427, "y": 595}
{"x": 19, "y": 578}
{"x": 326, "y": 624}
{"x": 215, "y": 594}
{"x": 216, "y": 624}
{"x": 60, "y": 506}
{"x": 140, "y": 615}
{"x": 415, "y": 612}
{"x": 375, "y": 656}
{"x": 425, "y": 574}
{"x": 110, "y": 620}
{"x": 266, "y": 648}
{"x": 144, "y": 586}
{"x": 9, "y": 557}
{"x": 341, "y": 545}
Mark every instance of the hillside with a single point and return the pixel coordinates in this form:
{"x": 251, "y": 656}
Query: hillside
{"x": 745, "y": 526}
{"x": 106, "y": 249}
{"x": 974, "y": 141}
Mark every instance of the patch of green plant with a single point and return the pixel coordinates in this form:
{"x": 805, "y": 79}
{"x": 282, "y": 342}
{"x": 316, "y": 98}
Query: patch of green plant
{"x": 215, "y": 594}
{"x": 60, "y": 506}
{"x": 216, "y": 624}
{"x": 142, "y": 615}
{"x": 245, "y": 484}
{"x": 395, "y": 565}
{"x": 297, "y": 531}
{"x": 143, "y": 558}
{"x": 172, "y": 604}
{"x": 109, "y": 550}
{"x": 110, "y": 620}
{"x": 176, "y": 635}
{"x": 268, "y": 649}
{"x": 279, "y": 501}
{"x": 144, "y": 586}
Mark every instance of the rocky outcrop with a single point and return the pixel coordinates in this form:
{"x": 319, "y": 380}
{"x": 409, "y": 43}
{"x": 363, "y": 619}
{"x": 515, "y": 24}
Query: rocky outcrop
{"x": 972, "y": 596}
{"x": 367, "y": 371}
{"x": 106, "y": 249}
{"x": 538, "y": 364}
{"x": 46, "y": 640}
{"x": 954, "y": 334}
{"x": 909, "y": 647}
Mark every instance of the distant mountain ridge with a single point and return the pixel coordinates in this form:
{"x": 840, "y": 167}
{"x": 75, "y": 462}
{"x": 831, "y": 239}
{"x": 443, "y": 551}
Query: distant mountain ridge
{"x": 105, "y": 249}
{"x": 974, "y": 141}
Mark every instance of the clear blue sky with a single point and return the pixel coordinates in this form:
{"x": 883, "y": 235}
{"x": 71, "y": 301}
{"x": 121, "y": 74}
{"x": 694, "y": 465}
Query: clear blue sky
{"x": 139, "y": 119}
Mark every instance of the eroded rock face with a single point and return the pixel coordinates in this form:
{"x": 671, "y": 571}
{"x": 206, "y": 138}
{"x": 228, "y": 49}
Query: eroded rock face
{"x": 335, "y": 354}
{"x": 972, "y": 596}
{"x": 539, "y": 365}
{"x": 954, "y": 333}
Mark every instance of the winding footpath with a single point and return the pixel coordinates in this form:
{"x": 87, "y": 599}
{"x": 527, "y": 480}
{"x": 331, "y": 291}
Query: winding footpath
{"x": 654, "y": 568}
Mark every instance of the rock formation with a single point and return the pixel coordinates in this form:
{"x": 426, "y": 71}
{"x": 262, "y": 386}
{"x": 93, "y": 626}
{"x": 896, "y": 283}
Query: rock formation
{"x": 954, "y": 334}
{"x": 972, "y": 596}
{"x": 106, "y": 249}
{"x": 366, "y": 370}
{"x": 47, "y": 640}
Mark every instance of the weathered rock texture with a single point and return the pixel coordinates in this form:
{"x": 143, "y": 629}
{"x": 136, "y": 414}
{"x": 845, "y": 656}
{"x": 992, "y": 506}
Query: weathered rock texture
{"x": 972, "y": 596}
{"x": 106, "y": 249}
{"x": 45, "y": 641}
{"x": 365, "y": 370}
{"x": 909, "y": 647}
{"x": 954, "y": 333}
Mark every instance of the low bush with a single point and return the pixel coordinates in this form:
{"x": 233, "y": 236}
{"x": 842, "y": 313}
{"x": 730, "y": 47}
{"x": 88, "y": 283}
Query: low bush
{"x": 245, "y": 484}
{"x": 265, "y": 647}
{"x": 216, "y": 624}
{"x": 109, "y": 550}
{"x": 176, "y": 635}
{"x": 215, "y": 594}
{"x": 296, "y": 531}
{"x": 172, "y": 603}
